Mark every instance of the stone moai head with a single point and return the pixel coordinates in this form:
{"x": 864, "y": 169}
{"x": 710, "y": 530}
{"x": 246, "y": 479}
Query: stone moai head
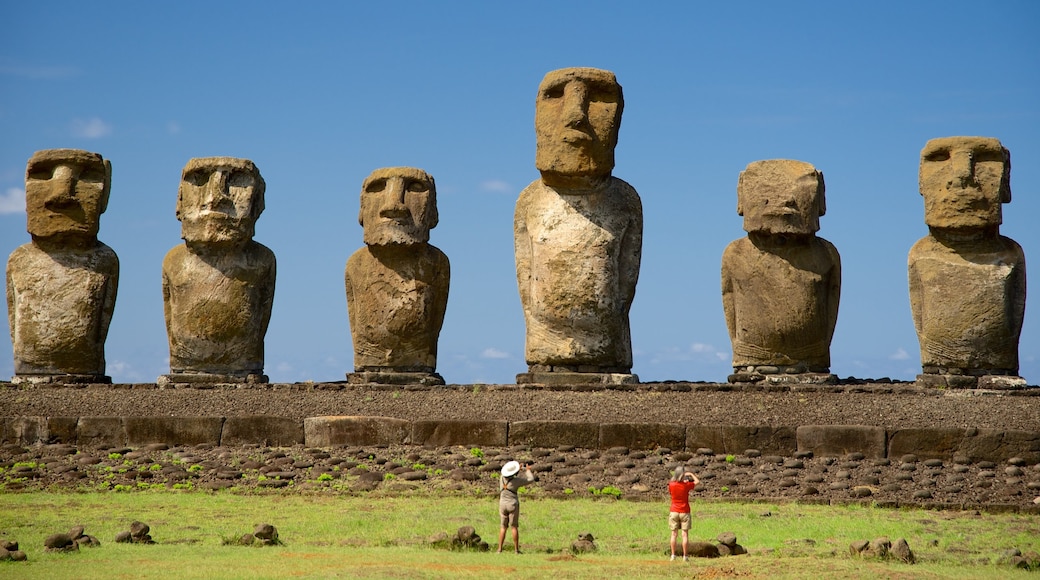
{"x": 66, "y": 191}
{"x": 577, "y": 117}
{"x": 964, "y": 180}
{"x": 781, "y": 196}
{"x": 219, "y": 200}
{"x": 398, "y": 206}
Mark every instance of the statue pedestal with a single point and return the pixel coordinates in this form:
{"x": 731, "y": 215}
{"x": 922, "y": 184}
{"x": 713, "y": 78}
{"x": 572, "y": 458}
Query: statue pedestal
{"x": 210, "y": 379}
{"x": 61, "y": 379}
{"x": 576, "y": 378}
{"x": 989, "y": 382}
{"x": 777, "y": 377}
{"x": 394, "y": 378}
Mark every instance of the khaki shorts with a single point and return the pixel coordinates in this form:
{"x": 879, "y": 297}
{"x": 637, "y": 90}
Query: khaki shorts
{"x": 510, "y": 517}
{"x": 678, "y": 520}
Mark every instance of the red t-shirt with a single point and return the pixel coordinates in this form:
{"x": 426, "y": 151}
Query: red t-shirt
{"x": 680, "y": 492}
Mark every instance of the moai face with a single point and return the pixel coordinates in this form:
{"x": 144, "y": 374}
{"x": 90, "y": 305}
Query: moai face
{"x": 66, "y": 191}
{"x": 781, "y": 196}
{"x": 219, "y": 200}
{"x": 577, "y": 117}
{"x": 964, "y": 180}
{"x": 398, "y": 206}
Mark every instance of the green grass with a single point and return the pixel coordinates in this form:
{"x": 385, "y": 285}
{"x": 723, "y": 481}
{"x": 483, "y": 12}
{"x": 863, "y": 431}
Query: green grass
{"x": 376, "y": 536}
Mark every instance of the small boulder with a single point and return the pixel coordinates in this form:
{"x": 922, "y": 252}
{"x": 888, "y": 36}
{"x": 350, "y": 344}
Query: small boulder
{"x": 727, "y": 539}
{"x": 59, "y": 543}
{"x": 901, "y": 551}
{"x": 703, "y": 550}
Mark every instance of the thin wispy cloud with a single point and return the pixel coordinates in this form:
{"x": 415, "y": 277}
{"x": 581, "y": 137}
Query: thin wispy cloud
{"x": 283, "y": 367}
{"x": 92, "y": 128}
{"x": 695, "y": 351}
{"x": 173, "y": 127}
{"x": 38, "y": 72}
{"x": 12, "y": 201}
{"x": 493, "y": 353}
{"x": 495, "y": 186}
{"x": 899, "y": 354}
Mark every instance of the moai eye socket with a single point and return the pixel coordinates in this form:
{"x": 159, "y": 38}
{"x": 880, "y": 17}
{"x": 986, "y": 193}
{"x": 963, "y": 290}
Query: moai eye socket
{"x": 197, "y": 178}
{"x": 375, "y": 186}
{"x": 553, "y": 91}
{"x": 938, "y": 155}
{"x": 415, "y": 186}
{"x": 240, "y": 179}
{"x": 41, "y": 171}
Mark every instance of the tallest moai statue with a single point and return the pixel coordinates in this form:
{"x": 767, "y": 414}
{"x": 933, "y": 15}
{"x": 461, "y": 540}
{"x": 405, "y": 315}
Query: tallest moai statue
{"x": 578, "y": 235}
{"x": 967, "y": 282}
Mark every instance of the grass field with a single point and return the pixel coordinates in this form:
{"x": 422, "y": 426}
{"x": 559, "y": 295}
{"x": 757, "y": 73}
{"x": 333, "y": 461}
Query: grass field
{"x": 374, "y": 536}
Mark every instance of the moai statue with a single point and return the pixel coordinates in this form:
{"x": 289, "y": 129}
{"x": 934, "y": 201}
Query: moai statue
{"x": 397, "y": 285}
{"x": 218, "y": 286}
{"x": 578, "y": 235}
{"x": 61, "y": 287}
{"x": 967, "y": 282}
{"x": 781, "y": 284}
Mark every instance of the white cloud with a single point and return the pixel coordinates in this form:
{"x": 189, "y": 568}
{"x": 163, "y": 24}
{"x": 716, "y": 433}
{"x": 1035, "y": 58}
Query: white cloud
{"x": 495, "y": 186}
{"x": 696, "y": 351}
{"x": 283, "y": 367}
{"x": 899, "y": 354}
{"x": 12, "y": 201}
{"x": 173, "y": 127}
{"x": 493, "y": 353}
{"x": 92, "y": 128}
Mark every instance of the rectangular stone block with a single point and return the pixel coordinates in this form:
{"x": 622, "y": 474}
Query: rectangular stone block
{"x": 262, "y": 430}
{"x": 937, "y": 443}
{"x": 447, "y": 433}
{"x": 837, "y": 440}
{"x": 736, "y": 439}
{"x": 642, "y": 435}
{"x": 554, "y": 434}
{"x": 999, "y": 446}
{"x": 352, "y": 430}
{"x": 173, "y": 430}
{"x": 62, "y": 429}
{"x": 100, "y": 431}
{"x": 22, "y": 430}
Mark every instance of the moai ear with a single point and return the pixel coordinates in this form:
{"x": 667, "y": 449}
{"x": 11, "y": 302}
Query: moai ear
{"x": 740, "y": 196}
{"x": 821, "y": 194}
{"x": 108, "y": 186}
{"x": 1005, "y": 179}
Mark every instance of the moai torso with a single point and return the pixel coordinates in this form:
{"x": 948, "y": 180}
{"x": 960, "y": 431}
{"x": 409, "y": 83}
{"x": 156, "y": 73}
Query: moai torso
{"x": 578, "y": 235}
{"x": 218, "y": 308}
{"x": 781, "y": 284}
{"x": 61, "y": 287}
{"x": 397, "y": 285}
{"x": 577, "y": 266}
{"x": 967, "y": 282}
{"x": 218, "y": 287}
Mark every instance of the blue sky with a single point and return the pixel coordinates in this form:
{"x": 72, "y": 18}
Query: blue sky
{"x": 321, "y": 93}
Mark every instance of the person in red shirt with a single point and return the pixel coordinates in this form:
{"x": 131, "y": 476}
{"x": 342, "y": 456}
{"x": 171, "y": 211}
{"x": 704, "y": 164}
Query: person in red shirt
{"x": 682, "y": 483}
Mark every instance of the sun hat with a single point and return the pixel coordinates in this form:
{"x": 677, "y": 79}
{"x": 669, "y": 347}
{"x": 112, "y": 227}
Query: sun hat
{"x": 510, "y": 469}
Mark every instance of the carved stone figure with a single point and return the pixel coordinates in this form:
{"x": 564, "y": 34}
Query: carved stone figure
{"x": 61, "y": 287}
{"x": 578, "y": 236}
{"x": 397, "y": 285}
{"x": 967, "y": 282}
{"x": 781, "y": 284}
{"x": 218, "y": 287}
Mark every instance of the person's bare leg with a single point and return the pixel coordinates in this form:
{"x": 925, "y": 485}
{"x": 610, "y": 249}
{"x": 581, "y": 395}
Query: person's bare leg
{"x": 516, "y": 539}
{"x": 685, "y": 543}
{"x": 672, "y": 542}
{"x": 501, "y": 538}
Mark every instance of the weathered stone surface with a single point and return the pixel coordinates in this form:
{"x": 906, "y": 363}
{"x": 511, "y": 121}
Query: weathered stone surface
{"x": 22, "y": 430}
{"x": 578, "y": 230}
{"x": 347, "y": 430}
{"x": 998, "y": 445}
{"x": 967, "y": 282}
{"x": 397, "y": 285}
{"x": 937, "y": 443}
{"x": 446, "y": 433}
{"x": 642, "y": 435}
{"x": 842, "y": 439}
{"x": 61, "y": 287}
{"x": 100, "y": 431}
{"x": 736, "y": 439}
{"x": 173, "y": 430}
{"x": 554, "y": 434}
{"x": 262, "y": 430}
{"x": 781, "y": 284}
{"x": 703, "y": 550}
{"x": 218, "y": 287}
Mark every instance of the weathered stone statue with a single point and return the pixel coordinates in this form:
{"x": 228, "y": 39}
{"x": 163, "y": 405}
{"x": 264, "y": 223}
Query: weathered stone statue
{"x": 967, "y": 282}
{"x": 578, "y": 235}
{"x": 781, "y": 284}
{"x": 218, "y": 286}
{"x": 397, "y": 285}
{"x": 61, "y": 287}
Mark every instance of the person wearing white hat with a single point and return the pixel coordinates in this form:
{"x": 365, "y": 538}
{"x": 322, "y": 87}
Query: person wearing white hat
{"x": 509, "y": 502}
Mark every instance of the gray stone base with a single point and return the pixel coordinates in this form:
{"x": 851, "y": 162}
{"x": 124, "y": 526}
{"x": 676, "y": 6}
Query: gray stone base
{"x": 210, "y": 379}
{"x": 804, "y": 378}
{"x": 61, "y": 379}
{"x": 575, "y": 378}
{"x": 394, "y": 378}
{"x": 958, "y": 381}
